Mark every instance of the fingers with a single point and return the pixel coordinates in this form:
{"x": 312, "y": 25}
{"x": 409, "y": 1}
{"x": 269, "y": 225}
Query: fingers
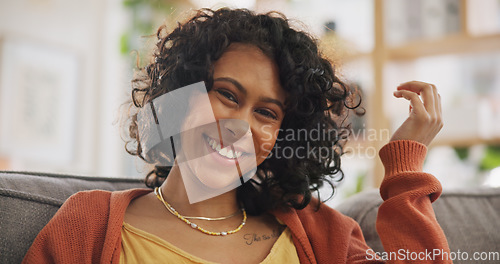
{"x": 425, "y": 120}
{"x": 418, "y": 107}
{"x": 430, "y": 108}
{"x": 439, "y": 111}
{"x": 437, "y": 106}
{"x": 427, "y": 91}
{"x": 436, "y": 115}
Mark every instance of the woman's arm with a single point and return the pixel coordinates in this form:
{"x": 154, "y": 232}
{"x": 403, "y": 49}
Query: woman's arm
{"x": 406, "y": 222}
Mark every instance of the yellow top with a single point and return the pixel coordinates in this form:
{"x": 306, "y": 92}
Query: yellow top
{"x": 139, "y": 246}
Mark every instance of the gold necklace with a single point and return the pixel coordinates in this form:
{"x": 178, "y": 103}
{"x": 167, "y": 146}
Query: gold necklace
{"x": 212, "y": 218}
{"x": 195, "y": 226}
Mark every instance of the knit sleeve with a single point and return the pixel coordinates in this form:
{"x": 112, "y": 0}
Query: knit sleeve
{"x": 71, "y": 235}
{"x": 406, "y": 222}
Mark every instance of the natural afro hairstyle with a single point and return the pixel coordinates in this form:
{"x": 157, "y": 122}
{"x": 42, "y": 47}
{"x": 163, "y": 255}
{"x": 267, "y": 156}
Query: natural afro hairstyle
{"x": 317, "y": 100}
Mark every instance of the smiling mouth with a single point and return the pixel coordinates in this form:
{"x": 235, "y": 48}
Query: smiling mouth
{"x": 226, "y": 152}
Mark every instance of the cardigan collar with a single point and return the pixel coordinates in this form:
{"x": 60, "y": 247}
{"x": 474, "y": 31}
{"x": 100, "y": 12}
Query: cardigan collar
{"x": 120, "y": 200}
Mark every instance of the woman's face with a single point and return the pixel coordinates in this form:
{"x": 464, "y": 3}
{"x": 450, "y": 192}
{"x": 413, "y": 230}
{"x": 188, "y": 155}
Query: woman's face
{"x": 247, "y": 87}
{"x": 248, "y": 104}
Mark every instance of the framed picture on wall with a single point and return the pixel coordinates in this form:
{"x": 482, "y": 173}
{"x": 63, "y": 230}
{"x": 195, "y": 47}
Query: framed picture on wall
{"x": 38, "y": 96}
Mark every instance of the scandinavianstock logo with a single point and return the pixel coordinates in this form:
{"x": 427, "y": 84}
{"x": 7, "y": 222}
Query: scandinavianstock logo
{"x": 216, "y": 156}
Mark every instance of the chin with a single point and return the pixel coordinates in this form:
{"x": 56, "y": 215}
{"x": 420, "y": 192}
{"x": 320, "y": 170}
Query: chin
{"x": 203, "y": 181}
{"x": 218, "y": 182}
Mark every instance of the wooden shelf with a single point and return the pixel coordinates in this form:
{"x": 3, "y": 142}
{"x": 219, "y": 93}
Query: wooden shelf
{"x": 455, "y": 44}
{"x": 360, "y": 145}
{"x": 461, "y": 43}
{"x": 465, "y": 142}
{"x": 356, "y": 56}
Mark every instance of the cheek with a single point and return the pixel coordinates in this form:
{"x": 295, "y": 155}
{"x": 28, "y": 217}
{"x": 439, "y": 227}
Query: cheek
{"x": 217, "y": 106}
{"x": 198, "y": 114}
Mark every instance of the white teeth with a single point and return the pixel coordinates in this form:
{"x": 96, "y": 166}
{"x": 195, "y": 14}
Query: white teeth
{"x": 223, "y": 152}
{"x": 226, "y": 152}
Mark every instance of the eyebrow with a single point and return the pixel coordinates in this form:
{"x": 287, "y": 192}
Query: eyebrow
{"x": 244, "y": 91}
{"x": 273, "y": 101}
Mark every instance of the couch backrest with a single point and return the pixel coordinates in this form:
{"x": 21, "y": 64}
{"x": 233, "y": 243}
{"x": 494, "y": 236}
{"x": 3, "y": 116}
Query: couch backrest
{"x": 470, "y": 219}
{"x": 29, "y": 200}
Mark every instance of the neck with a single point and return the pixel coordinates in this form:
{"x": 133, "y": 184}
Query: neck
{"x": 174, "y": 192}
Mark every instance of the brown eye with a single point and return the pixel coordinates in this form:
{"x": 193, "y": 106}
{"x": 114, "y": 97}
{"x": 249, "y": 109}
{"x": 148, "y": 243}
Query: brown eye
{"x": 267, "y": 113}
{"x": 227, "y": 95}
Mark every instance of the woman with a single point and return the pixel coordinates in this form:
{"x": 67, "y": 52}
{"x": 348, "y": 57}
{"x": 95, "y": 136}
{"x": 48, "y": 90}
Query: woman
{"x": 259, "y": 70}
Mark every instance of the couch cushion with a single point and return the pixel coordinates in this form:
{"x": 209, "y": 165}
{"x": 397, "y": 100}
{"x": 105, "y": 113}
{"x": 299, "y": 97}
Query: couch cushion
{"x": 470, "y": 219}
{"x": 29, "y": 200}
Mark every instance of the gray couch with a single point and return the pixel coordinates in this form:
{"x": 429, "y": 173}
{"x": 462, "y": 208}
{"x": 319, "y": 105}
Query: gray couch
{"x": 29, "y": 200}
{"x": 470, "y": 219}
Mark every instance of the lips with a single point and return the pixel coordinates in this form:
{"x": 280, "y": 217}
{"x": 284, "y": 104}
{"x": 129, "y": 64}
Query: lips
{"x": 226, "y": 152}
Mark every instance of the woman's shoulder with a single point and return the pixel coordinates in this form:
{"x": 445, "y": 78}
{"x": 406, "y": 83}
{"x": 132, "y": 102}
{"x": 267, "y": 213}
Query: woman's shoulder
{"x": 96, "y": 197}
{"x": 318, "y": 213}
{"x": 103, "y": 195}
{"x": 89, "y": 196}
{"x": 92, "y": 203}
{"x": 86, "y": 220}
{"x": 92, "y": 210}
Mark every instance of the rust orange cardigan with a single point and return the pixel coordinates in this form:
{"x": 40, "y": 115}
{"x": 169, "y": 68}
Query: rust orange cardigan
{"x": 87, "y": 228}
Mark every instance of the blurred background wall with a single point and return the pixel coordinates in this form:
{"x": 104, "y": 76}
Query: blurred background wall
{"x": 66, "y": 65}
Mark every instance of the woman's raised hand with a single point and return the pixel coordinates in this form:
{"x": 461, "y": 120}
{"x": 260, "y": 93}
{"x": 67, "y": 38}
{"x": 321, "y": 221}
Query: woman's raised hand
{"x": 425, "y": 118}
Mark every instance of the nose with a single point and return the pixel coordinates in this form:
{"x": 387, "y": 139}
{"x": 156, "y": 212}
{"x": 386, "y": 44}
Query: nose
{"x": 234, "y": 129}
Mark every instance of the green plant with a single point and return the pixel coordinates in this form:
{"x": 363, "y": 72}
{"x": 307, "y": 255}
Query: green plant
{"x": 491, "y": 158}
{"x": 146, "y": 16}
{"x": 462, "y": 152}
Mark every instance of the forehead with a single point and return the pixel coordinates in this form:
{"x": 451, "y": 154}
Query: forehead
{"x": 248, "y": 65}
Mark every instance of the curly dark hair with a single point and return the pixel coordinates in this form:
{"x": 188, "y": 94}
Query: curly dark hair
{"x": 316, "y": 99}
